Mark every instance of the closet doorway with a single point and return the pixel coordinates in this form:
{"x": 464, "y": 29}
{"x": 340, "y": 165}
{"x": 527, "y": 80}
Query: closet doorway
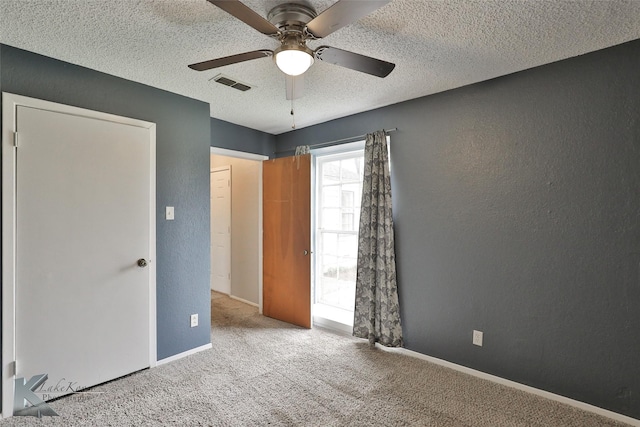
{"x": 245, "y": 283}
{"x": 221, "y": 229}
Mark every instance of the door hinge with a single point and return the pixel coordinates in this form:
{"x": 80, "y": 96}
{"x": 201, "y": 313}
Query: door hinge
{"x": 14, "y": 368}
{"x": 15, "y": 139}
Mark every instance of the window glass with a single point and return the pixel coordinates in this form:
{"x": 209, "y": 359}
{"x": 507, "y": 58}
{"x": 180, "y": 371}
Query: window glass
{"x": 339, "y": 194}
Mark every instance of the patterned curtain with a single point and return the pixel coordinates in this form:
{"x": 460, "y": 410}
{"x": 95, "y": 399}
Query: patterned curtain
{"x": 302, "y": 149}
{"x": 377, "y": 313}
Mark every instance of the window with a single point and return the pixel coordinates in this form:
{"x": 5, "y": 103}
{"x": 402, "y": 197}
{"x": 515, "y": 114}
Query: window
{"x": 338, "y": 194}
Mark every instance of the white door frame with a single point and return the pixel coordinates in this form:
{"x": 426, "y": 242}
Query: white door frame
{"x": 260, "y": 158}
{"x": 10, "y": 103}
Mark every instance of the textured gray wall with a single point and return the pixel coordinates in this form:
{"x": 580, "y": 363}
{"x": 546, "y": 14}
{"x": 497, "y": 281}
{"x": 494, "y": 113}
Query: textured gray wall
{"x": 517, "y": 205}
{"x": 239, "y": 138}
{"x": 182, "y": 180}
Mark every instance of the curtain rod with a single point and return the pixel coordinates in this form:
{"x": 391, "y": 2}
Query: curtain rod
{"x": 337, "y": 141}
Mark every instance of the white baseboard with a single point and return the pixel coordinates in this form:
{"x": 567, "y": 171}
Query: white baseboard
{"x": 184, "y": 354}
{"x": 243, "y": 300}
{"x": 552, "y": 396}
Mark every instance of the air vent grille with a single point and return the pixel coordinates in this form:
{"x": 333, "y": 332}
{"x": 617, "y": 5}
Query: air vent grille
{"x": 225, "y": 81}
{"x": 228, "y": 81}
{"x": 241, "y": 87}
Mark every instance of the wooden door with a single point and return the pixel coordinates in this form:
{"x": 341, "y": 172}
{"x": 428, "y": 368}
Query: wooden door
{"x": 83, "y": 209}
{"x": 287, "y": 239}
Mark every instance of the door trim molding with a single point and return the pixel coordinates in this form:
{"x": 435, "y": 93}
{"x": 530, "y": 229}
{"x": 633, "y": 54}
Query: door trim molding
{"x": 260, "y": 158}
{"x": 220, "y": 169}
{"x": 10, "y": 102}
{"x": 237, "y": 154}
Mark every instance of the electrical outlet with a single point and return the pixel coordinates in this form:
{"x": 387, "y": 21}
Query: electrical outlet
{"x": 194, "y": 320}
{"x": 477, "y": 338}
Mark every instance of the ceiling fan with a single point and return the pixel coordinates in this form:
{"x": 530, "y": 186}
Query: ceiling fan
{"x": 292, "y": 25}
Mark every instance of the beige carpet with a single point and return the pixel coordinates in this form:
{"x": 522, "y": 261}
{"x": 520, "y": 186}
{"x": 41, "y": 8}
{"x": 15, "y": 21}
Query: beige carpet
{"x": 262, "y": 372}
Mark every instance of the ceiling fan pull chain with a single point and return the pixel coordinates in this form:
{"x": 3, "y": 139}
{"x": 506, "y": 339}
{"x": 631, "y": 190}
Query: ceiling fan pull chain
{"x": 293, "y": 117}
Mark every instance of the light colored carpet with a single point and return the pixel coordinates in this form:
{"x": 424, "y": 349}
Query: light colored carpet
{"x": 264, "y": 372}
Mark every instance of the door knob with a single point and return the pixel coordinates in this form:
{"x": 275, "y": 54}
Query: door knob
{"x": 142, "y": 262}
{"x": 306, "y": 252}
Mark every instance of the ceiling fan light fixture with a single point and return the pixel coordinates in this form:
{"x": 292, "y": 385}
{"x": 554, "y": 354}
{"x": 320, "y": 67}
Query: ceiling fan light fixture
{"x": 293, "y": 60}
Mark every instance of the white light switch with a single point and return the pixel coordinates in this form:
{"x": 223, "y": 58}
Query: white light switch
{"x": 169, "y": 215}
{"x": 477, "y": 338}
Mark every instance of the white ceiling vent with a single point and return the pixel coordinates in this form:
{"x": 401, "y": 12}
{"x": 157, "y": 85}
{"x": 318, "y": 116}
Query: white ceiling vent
{"x": 228, "y": 81}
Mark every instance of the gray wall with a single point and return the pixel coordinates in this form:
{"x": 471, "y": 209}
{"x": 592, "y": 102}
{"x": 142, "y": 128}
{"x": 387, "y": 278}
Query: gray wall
{"x": 239, "y": 138}
{"x": 182, "y": 181}
{"x": 517, "y": 205}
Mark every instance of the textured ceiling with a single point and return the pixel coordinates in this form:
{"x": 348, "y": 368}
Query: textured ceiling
{"x": 437, "y": 45}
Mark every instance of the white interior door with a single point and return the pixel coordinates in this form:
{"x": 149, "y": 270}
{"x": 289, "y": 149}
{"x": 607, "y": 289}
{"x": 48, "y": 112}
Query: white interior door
{"x": 221, "y": 230}
{"x": 82, "y": 212}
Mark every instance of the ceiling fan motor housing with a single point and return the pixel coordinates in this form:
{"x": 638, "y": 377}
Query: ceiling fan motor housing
{"x": 293, "y": 42}
{"x": 291, "y": 17}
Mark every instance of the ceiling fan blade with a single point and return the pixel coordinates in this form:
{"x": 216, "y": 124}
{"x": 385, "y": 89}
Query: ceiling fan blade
{"x": 340, "y": 14}
{"x": 233, "y": 59}
{"x": 295, "y": 86}
{"x": 246, "y": 15}
{"x": 354, "y": 61}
